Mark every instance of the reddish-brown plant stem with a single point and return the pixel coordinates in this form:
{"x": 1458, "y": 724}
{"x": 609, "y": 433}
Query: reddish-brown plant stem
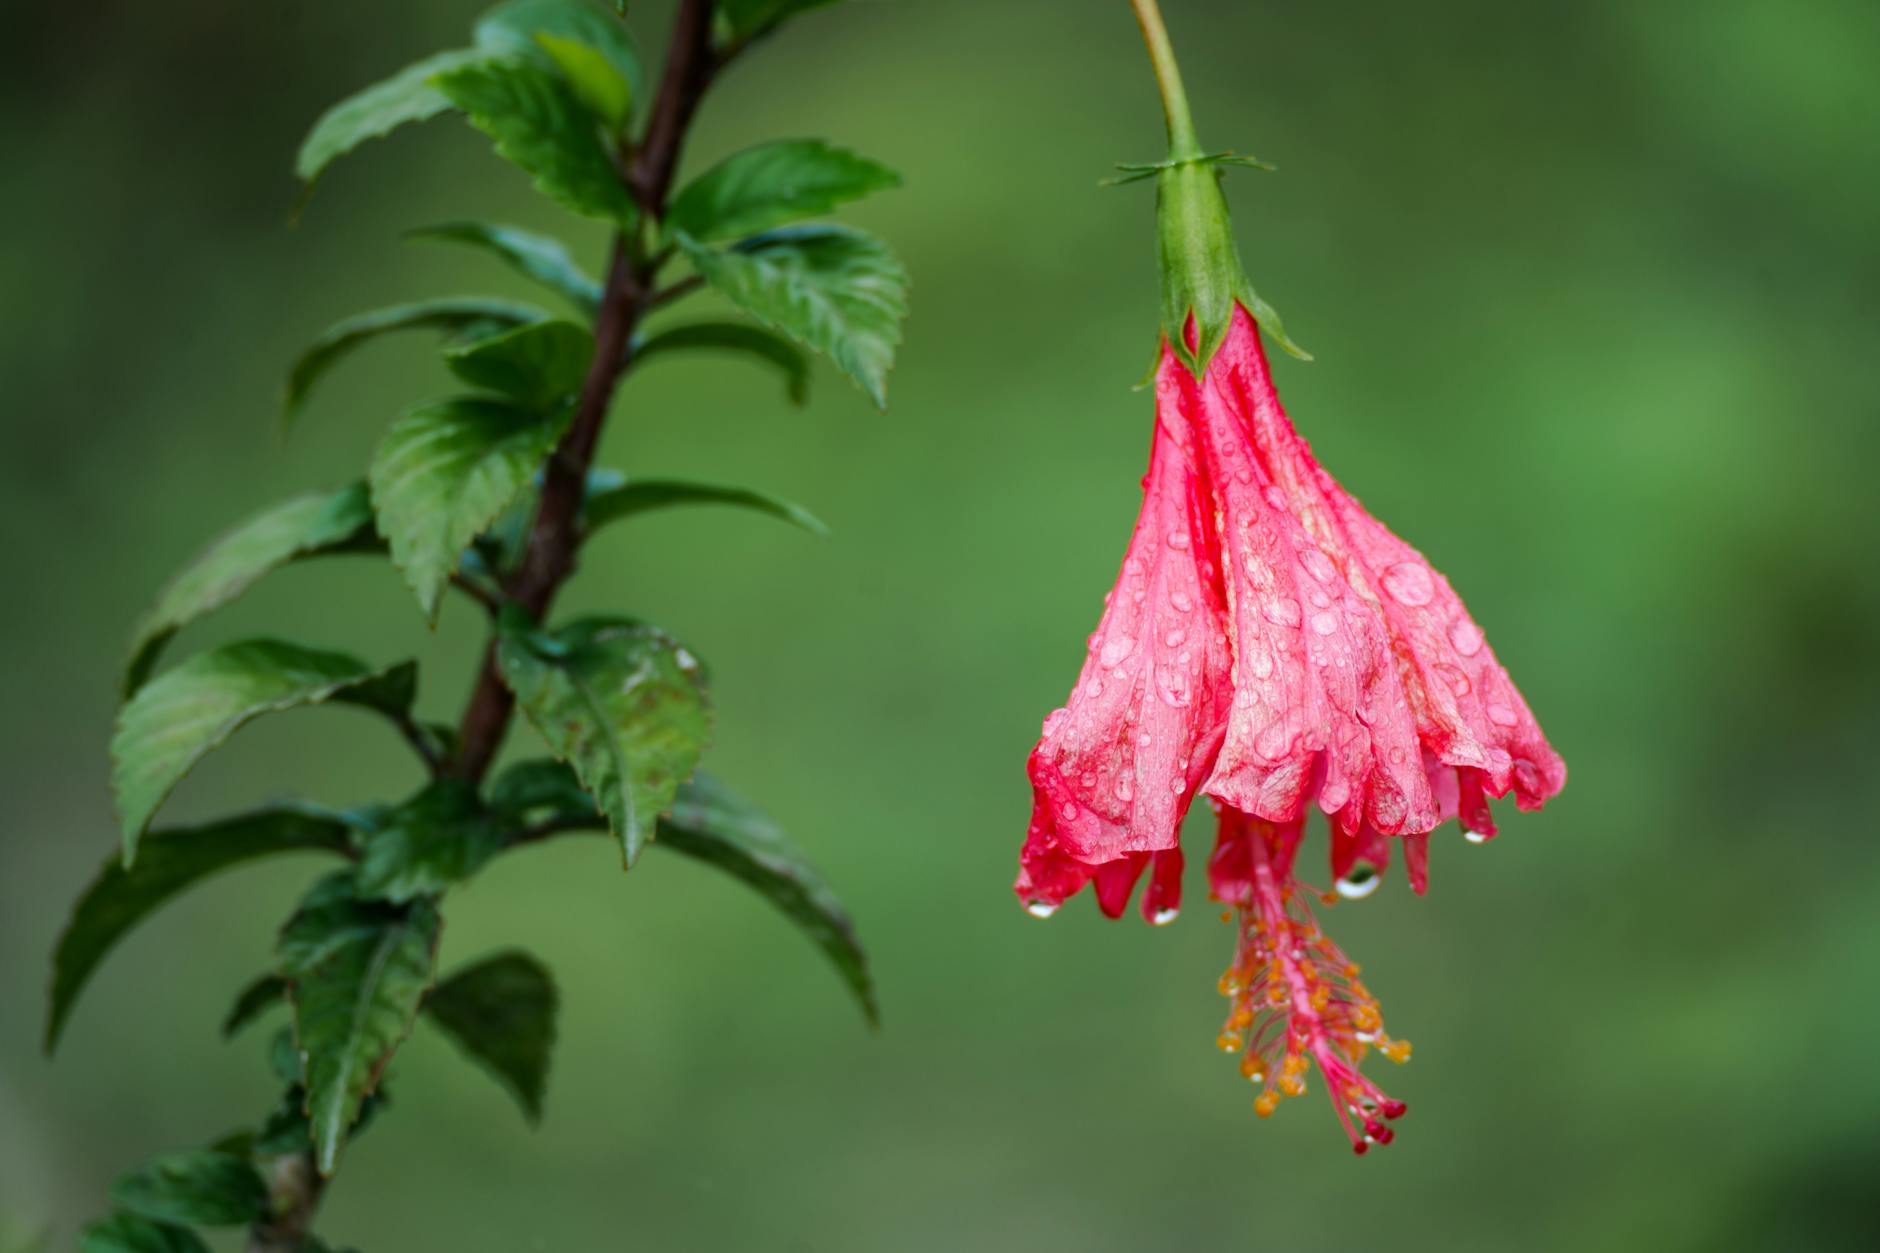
{"x": 549, "y": 556}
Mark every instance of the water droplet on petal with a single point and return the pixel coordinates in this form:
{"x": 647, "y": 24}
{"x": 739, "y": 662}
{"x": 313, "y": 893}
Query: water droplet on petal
{"x": 1475, "y": 837}
{"x": 1502, "y": 715}
{"x": 1181, "y": 601}
{"x": 1318, "y": 565}
{"x": 1114, "y": 650}
{"x": 1360, "y": 883}
{"x": 1123, "y": 787}
{"x": 1283, "y": 612}
{"x": 1260, "y": 662}
{"x": 1275, "y": 497}
{"x": 1527, "y": 777}
{"x": 1409, "y": 583}
{"x": 1458, "y": 681}
{"x": 1325, "y": 623}
{"x": 1068, "y": 811}
{"x": 1174, "y": 638}
{"x": 1178, "y": 540}
{"x": 1465, "y": 637}
{"x": 1163, "y": 917}
{"x": 1040, "y": 909}
{"x": 1273, "y": 742}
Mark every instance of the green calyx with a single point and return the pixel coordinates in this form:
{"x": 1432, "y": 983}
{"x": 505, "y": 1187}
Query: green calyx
{"x": 1202, "y": 278}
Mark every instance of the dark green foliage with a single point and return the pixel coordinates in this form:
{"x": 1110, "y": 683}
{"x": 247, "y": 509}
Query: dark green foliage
{"x": 711, "y": 823}
{"x": 168, "y": 862}
{"x": 130, "y": 1233}
{"x": 179, "y": 717}
{"x": 539, "y": 124}
{"x": 314, "y": 525}
{"x": 611, "y": 502}
{"x": 253, "y": 1001}
{"x": 202, "y": 1188}
{"x": 736, "y": 337}
{"x": 357, "y": 971}
{"x": 440, "y": 837}
{"x": 541, "y": 257}
{"x": 444, "y": 472}
{"x": 536, "y": 366}
{"x": 773, "y": 185}
{"x": 746, "y": 19}
{"x": 830, "y": 288}
{"x": 501, "y": 1012}
{"x": 490, "y": 492}
{"x": 460, "y": 316}
{"x": 621, "y": 702}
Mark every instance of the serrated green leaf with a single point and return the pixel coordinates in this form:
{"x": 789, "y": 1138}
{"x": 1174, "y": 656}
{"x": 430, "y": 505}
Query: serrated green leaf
{"x": 284, "y": 1058}
{"x": 628, "y": 497}
{"x": 170, "y": 861}
{"x": 515, "y": 29}
{"x": 444, "y": 472}
{"x": 540, "y": 257}
{"x": 406, "y": 96}
{"x": 440, "y": 837}
{"x": 357, "y": 973}
{"x": 741, "y": 20}
{"x": 501, "y": 1011}
{"x": 537, "y": 366}
{"x": 453, "y": 315}
{"x": 832, "y": 289}
{"x": 201, "y": 1188}
{"x": 734, "y": 337}
{"x": 772, "y": 185}
{"x": 128, "y": 1233}
{"x": 537, "y": 123}
{"x": 314, "y": 525}
{"x": 253, "y": 1001}
{"x": 592, "y": 78}
{"x": 181, "y": 715}
{"x": 711, "y": 823}
{"x": 623, "y": 704}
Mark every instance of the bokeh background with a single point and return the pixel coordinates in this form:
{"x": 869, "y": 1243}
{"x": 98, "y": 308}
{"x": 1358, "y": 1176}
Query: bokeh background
{"x": 1593, "y": 286}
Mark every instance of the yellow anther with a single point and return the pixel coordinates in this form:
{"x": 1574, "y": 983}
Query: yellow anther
{"x": 1397, "y": 1050}
{"x": 1250, "y": 1069}
{"x": 1276, "y": 995}
{"x": 1265, "y": 1104}
{"x": 1321, "y": 997}
{"x": 1229, "y": 1041}
{"x": 1292, "y": 1086}
{"x": 1351, "y": 970}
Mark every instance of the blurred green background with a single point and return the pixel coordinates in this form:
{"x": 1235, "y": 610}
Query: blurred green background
{"x": 1593, "y": 286}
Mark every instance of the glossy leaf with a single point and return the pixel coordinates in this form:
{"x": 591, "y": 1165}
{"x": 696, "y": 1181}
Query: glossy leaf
{"x": 746, "y": 19}
{"x": 357, "y": 973}
{"x": 501, "y": 1012}
{"x": 542, "y": 785}
{"x": 129, "y": 1233}
{"x": 734, "y": 337}
{"x": 623, "y": 704}
{"x": 202, "y": 1188}
{"x": 180, "y": 716}
{"x": 537, "y": 123}
{"x": 540, "y": 257}
{"x": 832, "y": 289}
{"x": 712, "y": 824}
{"x": 406, "y": 96}
{"x": 168, "y": 863}
{"x": 307, "y": 526}
{"x": 516, "y": 30}
{"x": 445, "y": 471}
{"x": 633, "y": 496}
{"x": 254, "y": 1000}
{"x": 772, "y": 185}
{"x": 452, "y": 315}
{"x": 592, "y": 78}
{"x": 440, "y": 837}
{"x": 537, "y": 366}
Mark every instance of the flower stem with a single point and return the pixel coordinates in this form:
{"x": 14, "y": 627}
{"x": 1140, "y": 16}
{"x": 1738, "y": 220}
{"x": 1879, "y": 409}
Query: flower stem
{"x": 1182, "y": 144}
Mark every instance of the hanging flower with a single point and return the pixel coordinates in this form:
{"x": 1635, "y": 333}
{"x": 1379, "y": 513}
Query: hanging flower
{"x": 1272, "y": 646}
